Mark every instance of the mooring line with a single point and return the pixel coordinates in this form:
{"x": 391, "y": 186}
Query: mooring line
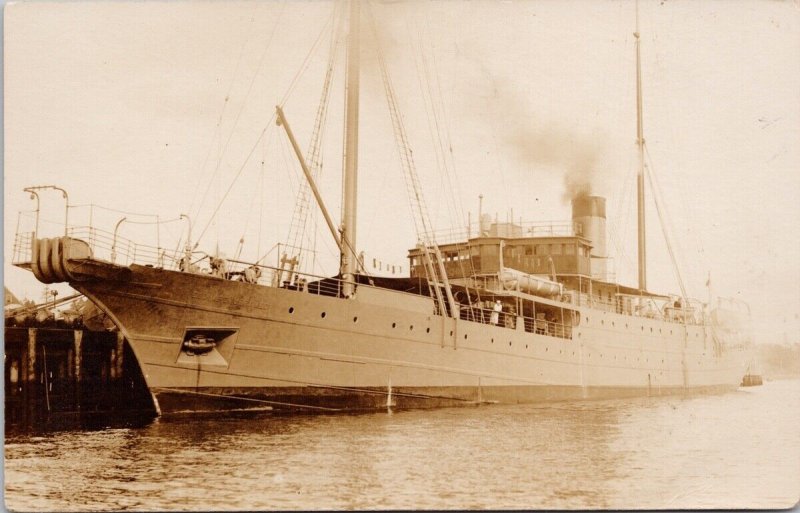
{"x": 250, "y": 399}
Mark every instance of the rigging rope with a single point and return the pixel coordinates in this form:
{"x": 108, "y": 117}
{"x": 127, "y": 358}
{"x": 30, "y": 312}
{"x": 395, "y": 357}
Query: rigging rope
{"x": 257, "y": 71}
{"x": 618, "y": 226}
{"x": 664, "y": 228}
{"x": 92, "y": 205}
{"x": 297, "y": 229}
{"x": 436, "y": 117}
{"x": 261, "y": 199}
{"x": 266, "y": 127}
{"x": 128, "y": 221}
{"x": 306, "y": 61}
{"x": 225, "y": 104}
{"x": 420, "y": 215}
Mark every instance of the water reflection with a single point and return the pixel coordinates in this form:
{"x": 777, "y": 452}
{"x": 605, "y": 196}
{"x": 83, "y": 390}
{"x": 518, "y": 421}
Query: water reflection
{"x": 736, "y": 450}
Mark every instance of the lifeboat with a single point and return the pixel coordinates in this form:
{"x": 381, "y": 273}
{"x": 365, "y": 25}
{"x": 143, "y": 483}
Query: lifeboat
{"x": 529, "y": 283}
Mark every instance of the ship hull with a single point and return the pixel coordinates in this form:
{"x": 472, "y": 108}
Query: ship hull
{"x": 295, "y": 350}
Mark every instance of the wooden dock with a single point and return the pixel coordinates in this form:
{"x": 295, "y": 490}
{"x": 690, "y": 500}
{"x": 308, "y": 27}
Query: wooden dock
{"x": 59, "y": 378}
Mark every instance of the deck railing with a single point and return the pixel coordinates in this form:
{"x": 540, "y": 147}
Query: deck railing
{"x": 104, "y": 246}
{"x": 510, "y": 320}
{"x": 627, "y": 304}
{"x": 113, "y": 248}
{"x": 525, "y": 229}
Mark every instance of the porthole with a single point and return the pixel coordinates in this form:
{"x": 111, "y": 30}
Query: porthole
{"x": 355, "y": 319}
{"x": 291, "y": 309}
{"x": 394, "y": 325}
{"x": 323, "y": 314}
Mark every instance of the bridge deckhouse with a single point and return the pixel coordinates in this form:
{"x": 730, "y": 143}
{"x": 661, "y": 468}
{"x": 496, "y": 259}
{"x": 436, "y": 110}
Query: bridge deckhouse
{"x": 547, "y": 255}
{"x": 571, "y": 253}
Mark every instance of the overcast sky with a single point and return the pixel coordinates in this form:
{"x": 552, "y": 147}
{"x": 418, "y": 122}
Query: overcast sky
{"x": 154, "y": 107}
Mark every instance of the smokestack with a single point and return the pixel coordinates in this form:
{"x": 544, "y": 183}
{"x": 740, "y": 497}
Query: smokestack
{"x": 589, "y": 220}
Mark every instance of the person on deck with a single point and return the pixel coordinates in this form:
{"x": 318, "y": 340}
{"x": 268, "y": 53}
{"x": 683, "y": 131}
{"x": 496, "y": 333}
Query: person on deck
{"x": 252, "y": 274}
{"x": 498, "y": 307}
{"x": 218, "y": 266}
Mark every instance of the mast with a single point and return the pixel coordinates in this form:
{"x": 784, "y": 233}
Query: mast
{"x": 348, "y": 262}
{"x": 640, "y": 173}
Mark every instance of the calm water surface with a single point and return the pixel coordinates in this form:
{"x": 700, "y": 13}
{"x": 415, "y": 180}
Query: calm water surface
{"x": 737, "y": 450}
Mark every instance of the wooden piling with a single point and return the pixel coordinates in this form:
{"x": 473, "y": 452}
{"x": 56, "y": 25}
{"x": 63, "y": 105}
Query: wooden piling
{"x": 76, "y": 354}
{"x": 30, "y": 360}
{"x": 118, "y": 356}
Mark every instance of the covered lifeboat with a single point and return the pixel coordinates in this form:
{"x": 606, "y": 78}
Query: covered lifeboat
{"x": 529, "y": 283}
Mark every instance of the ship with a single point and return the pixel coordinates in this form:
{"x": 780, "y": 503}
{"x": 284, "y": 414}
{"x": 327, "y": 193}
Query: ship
{"x": 505, "y": 314}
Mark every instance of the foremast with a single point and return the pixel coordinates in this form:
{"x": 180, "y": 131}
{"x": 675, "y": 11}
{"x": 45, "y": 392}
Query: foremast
{"x": 349, "y": 259}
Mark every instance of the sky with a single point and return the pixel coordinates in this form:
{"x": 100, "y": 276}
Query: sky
{"x": 158, "y": 107}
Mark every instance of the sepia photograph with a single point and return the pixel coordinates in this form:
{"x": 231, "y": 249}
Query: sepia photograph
{"x": 270, "y": 255}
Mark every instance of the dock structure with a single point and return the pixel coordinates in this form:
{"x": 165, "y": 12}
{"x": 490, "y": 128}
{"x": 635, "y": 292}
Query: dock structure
{"x": 67, "y": 377}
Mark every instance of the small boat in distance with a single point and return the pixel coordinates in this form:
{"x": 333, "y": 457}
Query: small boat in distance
{"x": 513, "y": 313}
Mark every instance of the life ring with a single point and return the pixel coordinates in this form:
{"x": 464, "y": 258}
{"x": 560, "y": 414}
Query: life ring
{"x": 199, "y": 344}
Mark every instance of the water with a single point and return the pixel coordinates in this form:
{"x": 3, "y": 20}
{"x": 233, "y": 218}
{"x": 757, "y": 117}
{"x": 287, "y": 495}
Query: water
{"x": 737, "y": 450}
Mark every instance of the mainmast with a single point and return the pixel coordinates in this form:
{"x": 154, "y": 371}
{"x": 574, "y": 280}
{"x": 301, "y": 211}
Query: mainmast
{"x": 640, "y": 173}
{"x": 348, "y": 262}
